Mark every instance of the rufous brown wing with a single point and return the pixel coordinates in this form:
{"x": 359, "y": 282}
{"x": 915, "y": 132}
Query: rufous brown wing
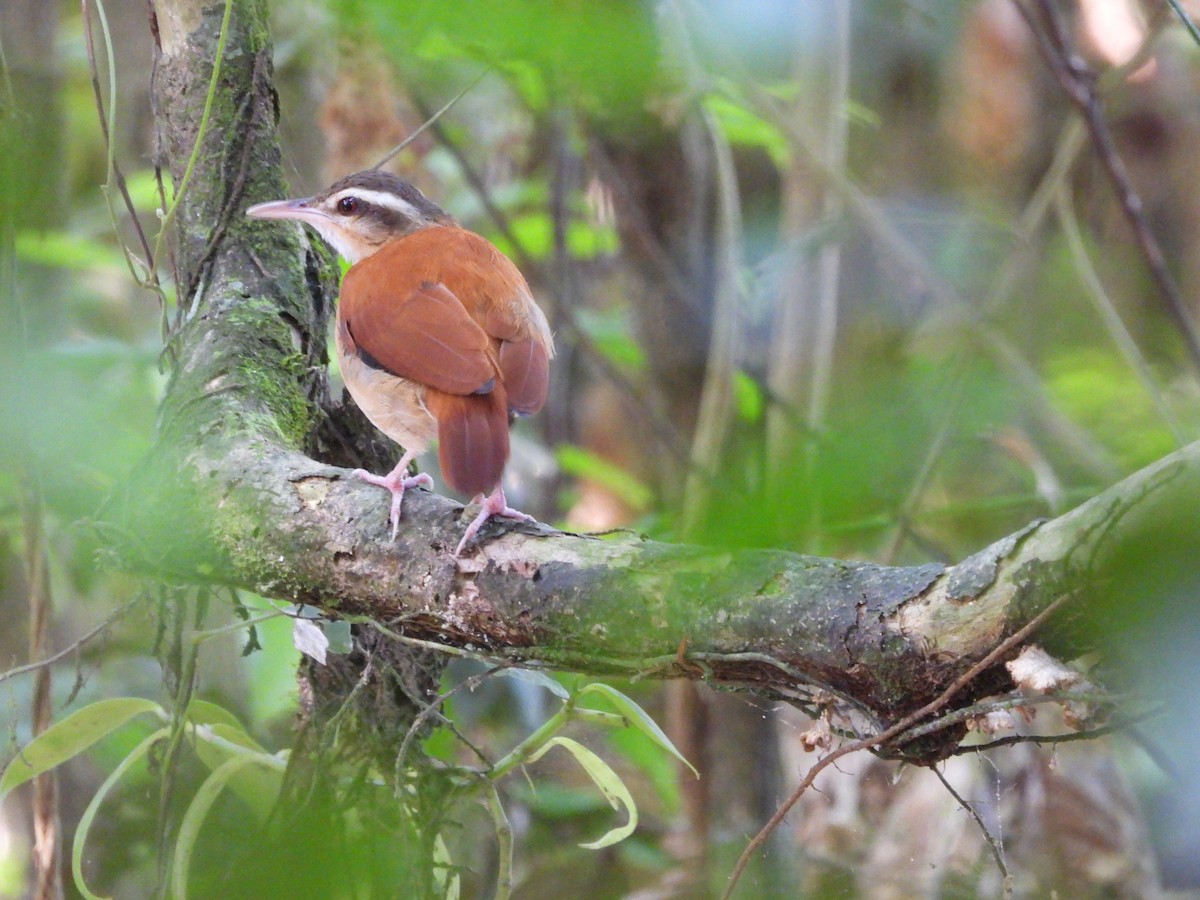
{"x": 443, "y": 308}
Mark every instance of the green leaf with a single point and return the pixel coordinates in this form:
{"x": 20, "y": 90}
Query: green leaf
{"x": 258, "y": 791}
{"x": 534, "y": 232}
{"x": 555, "y": 801}
{"x": 234, "y": 734}
{"x": 70, "y": 737}
{"x": 197, "y": 812}
{"x": 637, "y": 717}
{"x": 89, "y": 814}
{"x": 337, "y": 632}
{"x": 446, "y": 878}
{"x": 610, "y": 330}
{"x": 583, "y": 463}
{"x": 528, "y": 81}
{"x": 603, "y": 777}
{"x": 644, "y": 754}
{"x": 201, "y": 712}
{"x": 586, "y": 240}
{"x": 858, "y": 114}
{"x": 541, "y": 679}
{"x": 743, "y": 127}
{"x": 749, "y": 396}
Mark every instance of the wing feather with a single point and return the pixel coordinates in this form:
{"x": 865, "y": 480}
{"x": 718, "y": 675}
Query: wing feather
{"x": 425, "y": 336}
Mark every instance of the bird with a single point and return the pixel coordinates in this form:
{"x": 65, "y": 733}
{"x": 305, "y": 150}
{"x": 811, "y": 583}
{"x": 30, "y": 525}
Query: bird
{"x": 438, "y": 334}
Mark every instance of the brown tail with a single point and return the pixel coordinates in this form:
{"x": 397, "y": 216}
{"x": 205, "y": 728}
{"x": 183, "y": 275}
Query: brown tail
{"x": 472, "y": 438}
{"x": 526, "y": 370}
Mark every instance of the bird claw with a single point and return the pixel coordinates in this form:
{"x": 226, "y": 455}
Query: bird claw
{"x": 493, "y": 505}
{"x": 396, "y": 482}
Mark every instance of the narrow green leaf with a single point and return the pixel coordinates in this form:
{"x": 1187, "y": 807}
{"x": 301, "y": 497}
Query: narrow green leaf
{"x": 446, "y": 878}
{"x": 606, "y": 779}
{"x": 197, "y": 812}
{"x": 541, "y": 679}
{"x": 743, "y": 127}
{"x": 637, "y": 717}
{"x": 859, "y": 114}
{"x": 234, "y": 734}
{"x": 89, "y": 814}
{"x": 201, "y": 712}
{"x": 258, "y": 790}
{"x": 70, "y": 737}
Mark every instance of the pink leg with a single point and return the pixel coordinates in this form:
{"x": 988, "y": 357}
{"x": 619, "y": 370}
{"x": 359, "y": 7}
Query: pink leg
{"x": 396, "y": 481}
{"x": 493, "y": 505}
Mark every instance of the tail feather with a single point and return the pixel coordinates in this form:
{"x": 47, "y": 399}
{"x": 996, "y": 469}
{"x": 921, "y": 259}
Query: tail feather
{"x": 472, "y": 438}
{"x": 526, "y": 369}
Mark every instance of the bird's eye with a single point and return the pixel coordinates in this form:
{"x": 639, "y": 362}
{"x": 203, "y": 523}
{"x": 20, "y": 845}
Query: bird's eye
{"x": 347, "y": 206}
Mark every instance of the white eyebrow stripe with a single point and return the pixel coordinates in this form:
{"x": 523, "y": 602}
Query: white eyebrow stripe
{"x": 380, "y": 198}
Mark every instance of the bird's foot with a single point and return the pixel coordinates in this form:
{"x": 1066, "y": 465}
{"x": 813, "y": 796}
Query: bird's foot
{"x": 492, "y": 505}
{"x": 396, "y": 481}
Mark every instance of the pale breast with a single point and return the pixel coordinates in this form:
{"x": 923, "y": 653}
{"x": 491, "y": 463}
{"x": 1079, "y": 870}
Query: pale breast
{"x": 394, "y": 405}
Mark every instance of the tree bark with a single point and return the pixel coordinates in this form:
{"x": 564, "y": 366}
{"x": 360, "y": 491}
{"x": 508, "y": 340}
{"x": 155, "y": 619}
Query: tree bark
{"x": 234, "y": 494}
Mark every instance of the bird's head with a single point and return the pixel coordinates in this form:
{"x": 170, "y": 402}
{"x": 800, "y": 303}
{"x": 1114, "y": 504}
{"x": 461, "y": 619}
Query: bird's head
{"x": 360, "y": 213}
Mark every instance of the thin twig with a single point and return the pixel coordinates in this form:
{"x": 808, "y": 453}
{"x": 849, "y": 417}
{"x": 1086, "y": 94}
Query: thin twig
{"x": 1078, "y": 82}
{"x": 1017, "y": 702}
{"x": 1190, "y": 25}
{"x": 433, "y": 709}
{"x": 899, "y": 728}
{"x": 430, "y": 120}
{"x": 46, "y": 822}
{"x": 997, "y": 850}
{"x": 504, "y": 843}
{"x": 185, "y": 654}
{"x": 1052, "y": 739}
{"x": 243, "y": 118}
{"x": 148, "y": 279}
{"x": 1103, "y": 304}
{"x": 75, "y": 646}
{"x": 715, "y": 408}
{"x": 201, "y": 132}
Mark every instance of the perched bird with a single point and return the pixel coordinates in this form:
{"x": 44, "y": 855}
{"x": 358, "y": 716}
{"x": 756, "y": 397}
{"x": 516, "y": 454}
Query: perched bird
{"x": 437, "y": 334}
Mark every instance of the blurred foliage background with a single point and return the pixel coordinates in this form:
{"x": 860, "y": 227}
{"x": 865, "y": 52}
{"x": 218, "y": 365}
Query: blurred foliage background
{"x": 840, "y": 278}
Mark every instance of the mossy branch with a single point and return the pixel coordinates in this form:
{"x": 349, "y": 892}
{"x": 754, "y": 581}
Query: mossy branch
{"x": 232, "y": 494}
